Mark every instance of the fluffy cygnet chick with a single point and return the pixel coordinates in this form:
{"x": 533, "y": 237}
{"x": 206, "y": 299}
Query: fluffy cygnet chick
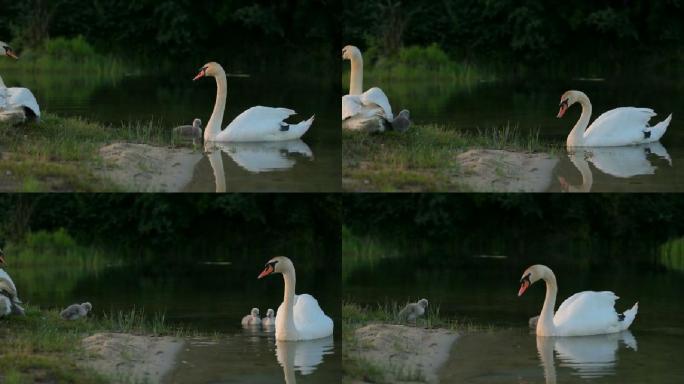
{"x": 269, "y": 320}
{"x": 533, "y": 322}
{"x": 76, "y": 311}
{"x": 413, "y": 311}
{"x": 191, "y": 132}
{"x": 253, "y": 318}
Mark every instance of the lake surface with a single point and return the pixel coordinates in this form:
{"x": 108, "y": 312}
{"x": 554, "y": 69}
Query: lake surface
{"x": 532, "y": 105}
{"x": 312, "y": 164}
{"x": 209, "y": 297}
{"x": 480, "y": 286}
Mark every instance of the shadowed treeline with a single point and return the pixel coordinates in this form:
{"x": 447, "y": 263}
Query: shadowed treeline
{"x": 509, "y": 34}
{"x": 163, "y": 31}
{"x": 175, "y": 226}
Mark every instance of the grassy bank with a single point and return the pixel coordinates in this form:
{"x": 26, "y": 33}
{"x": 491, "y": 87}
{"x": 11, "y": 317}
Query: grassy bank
{"x": 422, "y": 159}
{"x": 67, "y": 55}
{"x": 58, "y": 153}
{"x": 41, "y": 347}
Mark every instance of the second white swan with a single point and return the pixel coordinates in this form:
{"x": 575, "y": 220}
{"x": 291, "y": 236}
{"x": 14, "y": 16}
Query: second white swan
{"x": 16, "y": 104}
{"x": 299, "y": 317}
{"x": 617, "y": 127}
{"x": 255, "y": 124}
{"x": 582, "y": 314}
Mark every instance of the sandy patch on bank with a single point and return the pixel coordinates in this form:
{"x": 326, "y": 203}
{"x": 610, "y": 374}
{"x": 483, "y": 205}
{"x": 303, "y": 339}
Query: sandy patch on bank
{"x": 130, "y": 358}
{"x": 405, "y": 352}
{"x": 145, "y": 168}
{"x": 487, "y": 170}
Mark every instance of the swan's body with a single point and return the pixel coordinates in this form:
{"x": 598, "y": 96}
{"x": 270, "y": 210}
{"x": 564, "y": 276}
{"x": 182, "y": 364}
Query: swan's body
{"x": 269, "y": 320}
{"x": 9, "y": 298}
{"x": 76, "y": 311}
{"x": 299, "y": 317}
{"x": 617, "y": 127}
{"x": 367, "y": 111}
{"x": 253, "y": 318}
{"x": 16, "y": 104}
{"x": 582, "y": 314}
{"x": 255, "y": 124}
{"x": 412, "y": 311}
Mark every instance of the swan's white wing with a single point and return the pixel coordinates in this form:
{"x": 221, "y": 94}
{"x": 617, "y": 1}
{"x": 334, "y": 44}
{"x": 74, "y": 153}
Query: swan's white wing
{"x": 351, "y": 105}
{"x": 620, "y": 126}
{"x": 7, "y": 284}
{"x": 22, "y": 97}
{"x": 310, "y": 320}
{"x": 263, "y": 124}
{"x": 375, "y": 96}
{"x": 587, "y": 313}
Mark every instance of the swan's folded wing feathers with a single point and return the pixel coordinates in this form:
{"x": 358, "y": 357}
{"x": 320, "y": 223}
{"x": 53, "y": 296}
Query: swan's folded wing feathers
{"x": 587, "y": 313}
{"x": 351, "y": 105}
{"x": 22, "y": 97}
{"x": 626, "y": 124}
{"x": 375, "y": 96}
{"x": 310, "y": 320}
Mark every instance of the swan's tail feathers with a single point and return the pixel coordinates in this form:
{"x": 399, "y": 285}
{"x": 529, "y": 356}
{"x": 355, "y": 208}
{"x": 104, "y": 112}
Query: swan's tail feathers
{"x": 657, "y": 131}
{"x": 628, "y": 316}
{"x": 295, "y": 131}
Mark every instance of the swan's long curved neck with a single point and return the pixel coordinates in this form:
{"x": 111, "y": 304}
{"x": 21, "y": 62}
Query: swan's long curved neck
{"x": 2, "y": 83}
{"x": 356, "y": 78}
{"x": 214, "y": 125}
{"x": 290, "y": 279}
{"x": 546, "y": 317}
{"x": 576, "y": 136}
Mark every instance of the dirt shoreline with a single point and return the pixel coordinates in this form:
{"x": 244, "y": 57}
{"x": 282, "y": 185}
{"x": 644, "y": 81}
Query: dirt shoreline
{"x": 406, "y": 354}
{"x": 127, "y": 358}
{"x": 488, "y": 170}
{"x": 146, "y": 168}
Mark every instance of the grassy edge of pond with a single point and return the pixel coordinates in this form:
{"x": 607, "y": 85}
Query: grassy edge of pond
{"x": 354, "y": 316}
{"x": 60, "y": 153}
{"x": 423, "y": 158}
{"x": 42, "y": 347}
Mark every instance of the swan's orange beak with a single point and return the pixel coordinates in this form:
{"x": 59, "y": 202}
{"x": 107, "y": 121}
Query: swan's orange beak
{"x": 199, "y": 75}
{"x": 11, "y": 54}
{"x": 267, "y": 271}
{"x": 563, "y": 108}
{"x": 2, "y": 260}
{"x": 523, "y": 287}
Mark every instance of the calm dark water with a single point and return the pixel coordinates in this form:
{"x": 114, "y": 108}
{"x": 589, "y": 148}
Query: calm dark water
{"x": 208, "y": 297}
{"x": 532, "y": 105}
{"x": 310, "y": 165}
{"x": 480, "y": 286}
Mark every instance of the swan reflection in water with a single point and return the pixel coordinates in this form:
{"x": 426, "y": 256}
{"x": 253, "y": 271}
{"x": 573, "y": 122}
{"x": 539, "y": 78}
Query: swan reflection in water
{"x": 302, "y": 356}
{"x": 590, "y": 357}
{"x": 620, "y": 162}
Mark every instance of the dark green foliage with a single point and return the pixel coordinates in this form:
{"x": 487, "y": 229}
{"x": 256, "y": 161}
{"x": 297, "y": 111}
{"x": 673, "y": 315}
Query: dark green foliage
{"x": 615, "y": 32}
{"x": 174, "y": 222}
{"x": 180, "y": 30}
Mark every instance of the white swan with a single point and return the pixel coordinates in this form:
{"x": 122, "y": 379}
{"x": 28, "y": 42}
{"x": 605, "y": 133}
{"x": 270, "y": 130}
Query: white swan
{"x": 253, "y": 318}
{"x": 299, "y": 317}
{"x": 582, "y": 314}
{"x": 255, "y": 124}
{"x": 9, "y": 299}
{"x": 617, "y": 127}
{"x": 16, "y": 104}
{"x": 368, "y": 111}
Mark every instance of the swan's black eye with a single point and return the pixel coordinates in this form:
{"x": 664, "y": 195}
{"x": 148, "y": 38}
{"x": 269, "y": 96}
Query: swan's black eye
{"x": 564, "y": 102}
{"x": 526, "y": 278}
{"x": 272, "y": 263}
